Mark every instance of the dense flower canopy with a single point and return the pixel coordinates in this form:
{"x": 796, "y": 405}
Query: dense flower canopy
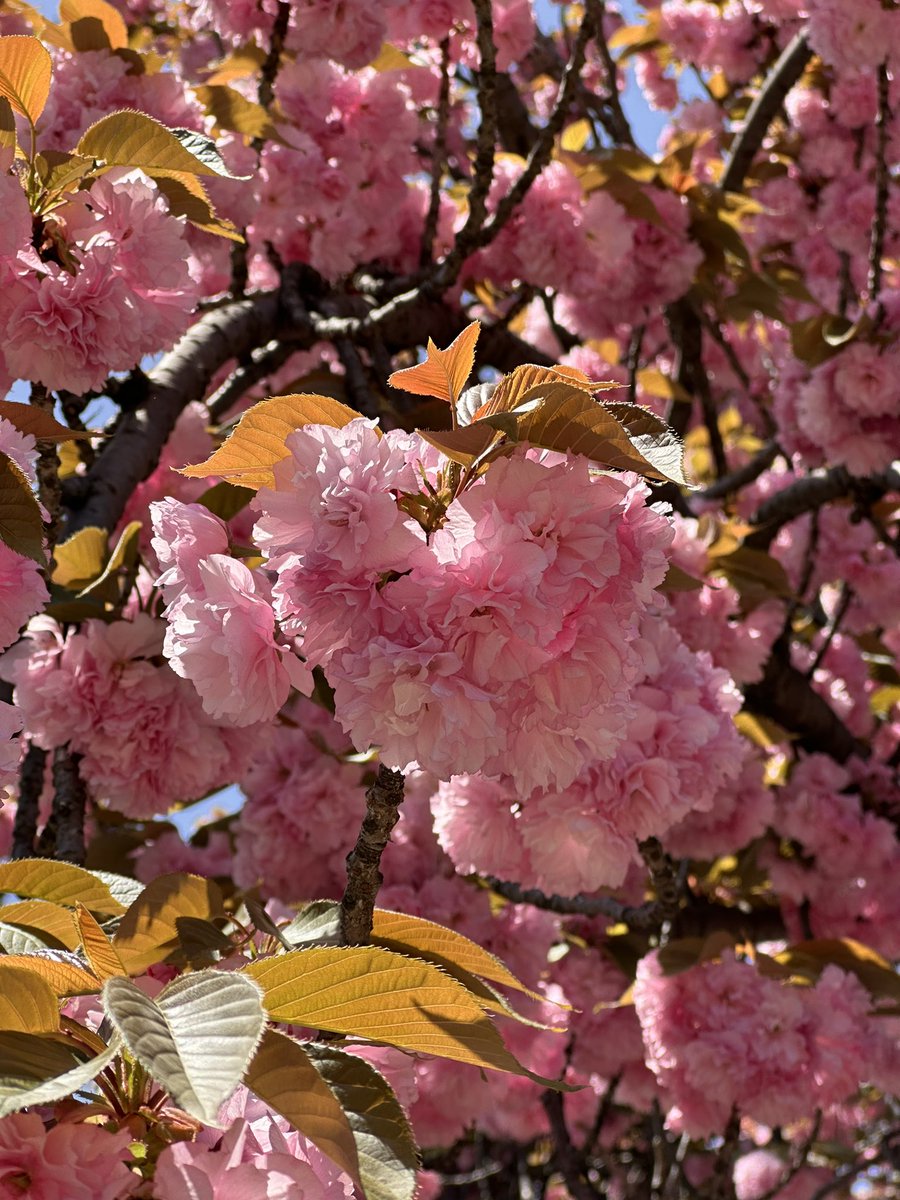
{"x": 450, "y": 600}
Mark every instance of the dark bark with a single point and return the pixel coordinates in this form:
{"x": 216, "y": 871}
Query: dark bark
{"x": 383, "y": 799}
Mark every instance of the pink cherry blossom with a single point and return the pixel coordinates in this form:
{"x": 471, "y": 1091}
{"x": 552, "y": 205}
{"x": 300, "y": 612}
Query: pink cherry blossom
{"x": 71, "y": 1161}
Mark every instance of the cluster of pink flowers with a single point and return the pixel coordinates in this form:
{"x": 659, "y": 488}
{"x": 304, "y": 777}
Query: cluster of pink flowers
{"x": 845, "y": 861}
{"x": 504, "y": 643}
{"x": 71, "y": 1161}
{"x": 105, "y": 691}
{"x": 679, "y": 752}
{"x": 302, "y": 808}
{"x": 124, "y": 291}
{"x": 723, "y": 1035}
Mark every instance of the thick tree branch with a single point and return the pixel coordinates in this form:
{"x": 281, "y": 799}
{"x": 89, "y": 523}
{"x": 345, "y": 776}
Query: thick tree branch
{"x": 31, "y": 784}
{"x": 784, "y": 74}
{"x": 784, "y": 694}
{"x": 383, "y": 799}
{"x": 69, "y": 801}
{"x": 182, "y": 376}
{"x": 812, "y": 492}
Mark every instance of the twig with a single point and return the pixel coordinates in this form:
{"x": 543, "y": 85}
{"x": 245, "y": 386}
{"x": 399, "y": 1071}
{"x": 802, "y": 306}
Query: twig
{"x": 49, "y": 486}
{"x": 812, "y": 492}
{"x": 735, "y": 480}
{"x": 643, "y": 916}
{"x": 879, "y": 220}
{"x": 262, "y": 362}
{"x": 785, "y": 695}
{"x": 543, "y": 146}
{"x": 665, "y": 878}
{"x": 438, "y": 154}
{"x": 784, "y": 74}
{"x": 362, "y": 397}
{"x": 833, "y": 628}
{"x": 615, "y": 120}
{"x": 797, "y": 1162}
{"x": 569, "y": 1160}
{"x": 383, "y": 799}
{"x": 634, "y": 360}
{"x": 31, "y": 784}
{"x": 69, "y": 801}
{"x": 265, "y": 92}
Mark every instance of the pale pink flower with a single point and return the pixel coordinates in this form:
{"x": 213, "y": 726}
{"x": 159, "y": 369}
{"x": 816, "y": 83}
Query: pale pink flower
{"x": 10, "y": 747}
{"x": 852, "y": 37}
{"x": 222, "y": 638}
{"x": 756, "y": 1173}
{"x": 22, "y": 593}
{"x": 71, "y": 1161}
{"x": 183, "y": 536}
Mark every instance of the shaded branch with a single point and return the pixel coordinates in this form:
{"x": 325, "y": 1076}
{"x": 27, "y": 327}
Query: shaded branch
{"x": 812, "y": 492}
{"x": 570, "y": 1161}
{"x": 882, "y": 180}
{"x": 735, "y": 480}
{"x": 383, "y": 799}
{"x": 262, "y": 362}
{"x": 643, "y": 916}
{"x": 614, "y": 120}
{"x": 438, "y": 155}
{"x": 31, "y": 784}
{"x": 69, "y": 802}
{"x": 784, "y": 74}
{"x": 784, "y": 694}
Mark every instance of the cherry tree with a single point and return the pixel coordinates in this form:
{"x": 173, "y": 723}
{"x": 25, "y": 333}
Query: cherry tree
{"x": 449, "y": 600}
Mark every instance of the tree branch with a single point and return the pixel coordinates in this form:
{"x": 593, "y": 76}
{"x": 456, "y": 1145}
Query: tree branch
{"x": 383, "y": 799}
{"x": 31, "y": 784}
{"x": 438, "y": 154}
{"x": 784, "y": 74}
{"x": 69, "y": 801}
{"x": 882, "y": 181}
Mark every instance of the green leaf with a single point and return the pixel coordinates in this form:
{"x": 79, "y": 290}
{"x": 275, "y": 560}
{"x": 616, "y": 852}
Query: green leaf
{"x": 196, "y": 1038}
{"x": 225, "y": 500}
{"x": 21, "y": 525}
{"x": 282, "y": 1075}
{"x": 132, "y": 139}
{"x": 38, "y": 1070}
{"x": 58, "y": 882}
{"x": 25, "y": 70}
{"x": 364, "y": 991}
{"x": 148, "y": 932}
{"x": 384, "y": 1140}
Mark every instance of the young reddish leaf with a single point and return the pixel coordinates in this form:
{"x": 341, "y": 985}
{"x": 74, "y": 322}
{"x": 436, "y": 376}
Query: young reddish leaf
{"x": 111, "y": 25}
{"x": 148, "y": 931}
{"x": 444, "y": 372}
{"x": 525, "y": 382}
{"x": 44, "y": 426}
{"x": 25, "y": 70}
{"x": 98, "y": 950}
{"x": 368, "y": 992}
{"x": 577, "y": 424}
{"x": 21, "y": 524}
{"x": 461, "y": 446}
{"x": 282, "y": 1075}
{"x": 28, "y": 1004}
{"x": 258, "y": 440}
